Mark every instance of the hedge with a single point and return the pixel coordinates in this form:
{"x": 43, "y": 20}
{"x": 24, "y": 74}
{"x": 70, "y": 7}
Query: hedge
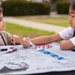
{"x": 63, "y": 7}
{"x": 21, "y": 8}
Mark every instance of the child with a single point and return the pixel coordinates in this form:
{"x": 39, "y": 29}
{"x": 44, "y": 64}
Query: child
{"x": 66, "y": 35}
{"x": 5, "y": 37}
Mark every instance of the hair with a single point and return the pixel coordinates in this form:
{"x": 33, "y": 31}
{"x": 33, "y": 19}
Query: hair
{"x": 1, "y": 11}
{"x": 72, "y": 4}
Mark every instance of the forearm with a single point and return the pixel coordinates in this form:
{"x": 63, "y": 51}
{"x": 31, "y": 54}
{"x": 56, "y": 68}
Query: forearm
{"x": 46, "y": 39}
{"x": 66, "y": 45}
{"x": 41, "y": 40}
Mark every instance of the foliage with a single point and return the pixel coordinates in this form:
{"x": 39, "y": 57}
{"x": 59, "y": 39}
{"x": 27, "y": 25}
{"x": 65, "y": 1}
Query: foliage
{"x": 22, "y": 8}
{"x": 63, "y": 7}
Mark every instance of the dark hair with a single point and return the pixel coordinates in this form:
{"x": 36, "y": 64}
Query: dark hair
{"x": 1, "y": 11}
{"x": 72, "y": 4}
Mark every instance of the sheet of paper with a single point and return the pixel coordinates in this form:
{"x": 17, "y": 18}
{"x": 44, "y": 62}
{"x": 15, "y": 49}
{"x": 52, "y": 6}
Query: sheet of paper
{"x": 43, "y": 58}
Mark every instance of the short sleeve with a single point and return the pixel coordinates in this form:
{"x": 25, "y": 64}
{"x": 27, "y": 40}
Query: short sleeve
{"x": 67, "y": 33}
{"x": 73, "y": 40}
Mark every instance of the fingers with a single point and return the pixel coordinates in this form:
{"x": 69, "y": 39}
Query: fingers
{"x": 15, "y": 40}
{"x": 26, "y": 42}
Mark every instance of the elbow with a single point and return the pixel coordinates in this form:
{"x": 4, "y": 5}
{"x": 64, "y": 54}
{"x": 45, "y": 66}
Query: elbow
{"x": 63, "y": 46}
{"x": 66, "y": 45}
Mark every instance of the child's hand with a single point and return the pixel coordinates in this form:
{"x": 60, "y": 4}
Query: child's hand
{"x": 26, "y": 42}
{"x": 15, "y": 40}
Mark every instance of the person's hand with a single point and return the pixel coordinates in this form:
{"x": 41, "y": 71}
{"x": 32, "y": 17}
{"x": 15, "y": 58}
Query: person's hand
{"x": 26, "y": 42}
{"x": 15, "y": 40}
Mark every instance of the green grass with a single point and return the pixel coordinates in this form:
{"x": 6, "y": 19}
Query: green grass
{"x": 59, "y": 21}
{"x": 22, "y": 31}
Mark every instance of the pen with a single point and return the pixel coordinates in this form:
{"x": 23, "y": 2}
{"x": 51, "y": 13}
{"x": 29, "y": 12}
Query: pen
{"x": 12, "y": 49}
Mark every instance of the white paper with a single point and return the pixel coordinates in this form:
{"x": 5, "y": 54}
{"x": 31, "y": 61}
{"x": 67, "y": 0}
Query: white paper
{"x": 45, "y": 58}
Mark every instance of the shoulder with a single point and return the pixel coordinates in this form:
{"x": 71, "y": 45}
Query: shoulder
{"x": 67, "y": 33}
{"x": 68, "y": 30}
{"x": 5, "y": 33}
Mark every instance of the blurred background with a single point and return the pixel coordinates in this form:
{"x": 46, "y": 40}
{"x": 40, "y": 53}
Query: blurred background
{"x": 34, "y": 7}
{"x": 51, "y": 12}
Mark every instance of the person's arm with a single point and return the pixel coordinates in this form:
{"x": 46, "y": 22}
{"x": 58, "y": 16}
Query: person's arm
{"x": 67, "y": 35}
{"x": 65, "y": 45}
{"x": 46, "y": 39}
{"x": 13, "y": 39}
{"x": 41, "y": 40}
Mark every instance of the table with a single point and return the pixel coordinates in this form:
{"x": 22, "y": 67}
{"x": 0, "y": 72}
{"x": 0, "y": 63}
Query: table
{"x": 46, "y": 59}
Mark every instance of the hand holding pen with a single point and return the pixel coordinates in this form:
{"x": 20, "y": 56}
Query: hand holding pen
{"x": 26, "y": 42}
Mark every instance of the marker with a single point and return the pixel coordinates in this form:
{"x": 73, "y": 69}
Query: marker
{"x": 5, "y": 49}
{"x": 11, "y": 49}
